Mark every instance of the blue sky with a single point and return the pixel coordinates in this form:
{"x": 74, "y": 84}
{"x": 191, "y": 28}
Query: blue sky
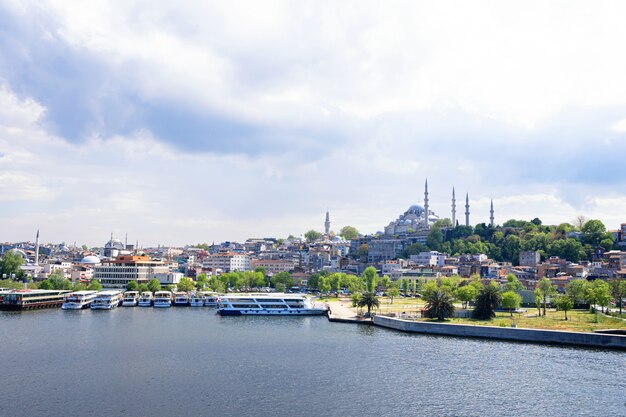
{"x": 196, "y": 123}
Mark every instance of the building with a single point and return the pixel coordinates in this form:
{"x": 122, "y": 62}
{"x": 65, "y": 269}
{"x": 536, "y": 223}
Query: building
{"x": 227, "y": 261}
{"x": 432, "y": 258}
{"x": 529, "y": 258}
{"x": 118, "y": 272}
{"x": 380, "y": 250}
{"x": 273, "y": 266}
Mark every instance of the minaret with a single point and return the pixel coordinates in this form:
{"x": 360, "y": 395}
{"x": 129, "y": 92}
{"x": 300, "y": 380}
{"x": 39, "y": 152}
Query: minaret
{"x": 37, "y": 248}
{"x": 453, "y": 208}
{"x": 126, "y": 241}
{"x": 491, "y": 222}
{"x": 426, "y": 224}
{"x": 467, "y": 213}
{"x": 327, "y": 223}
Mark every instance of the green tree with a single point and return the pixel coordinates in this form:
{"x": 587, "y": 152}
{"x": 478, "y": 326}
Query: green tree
{"x": 618, "y": 290}
{"x": 385, "y": 282}
{"x": 488, "y": 299}
{"x": 392, "y": 292}
{"x": 349, "y": 233}
{"x": 512, "y": 283}
{"x": 94, "y": 285}
{"x": 283, "y": 278}
{"x": 575, "y": 290}
{"x": 132, "y": 286}
{"x": 405, "y": 286}
{"x": 10, "y": 264}
{"x": 59, "y": 282}
{"x": 564, "y": 303}
{"x": 369, "y": 300}
{"x": 593, "y": 232}
{"x": 434, "y": 239}
{"x": 439, "y": 304}
{"x": 362, "y": 251}
{"x": 538, "y": 301}
{"x": 511, "y": 300}
{"x": 323, "y": 285}
{"x": 154, "y": 285}
{"x": 599, "y": 292}
{"x": 186, "y": 284}
{"x": 45, "y": 285}
{"x": 312, "y": 235}
{"x": 355, "y": 298}
{"x": 546, "y": 289}
{"x": 466, "y": 294}
{"x": 143, "y": 287}
{"x": 78, "y": 286}
{"x": 370, "y": 276}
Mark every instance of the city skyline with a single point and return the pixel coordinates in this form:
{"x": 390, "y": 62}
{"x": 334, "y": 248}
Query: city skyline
{"x": 217, "y": 126}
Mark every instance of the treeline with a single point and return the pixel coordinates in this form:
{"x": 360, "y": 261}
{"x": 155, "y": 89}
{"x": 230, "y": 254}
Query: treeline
{"x": 504, "y": 243}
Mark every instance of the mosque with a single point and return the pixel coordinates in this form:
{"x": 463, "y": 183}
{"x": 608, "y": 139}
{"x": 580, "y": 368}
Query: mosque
{"x": 420, "y": 218}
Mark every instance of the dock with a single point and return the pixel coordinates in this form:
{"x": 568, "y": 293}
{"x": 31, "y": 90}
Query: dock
{"x": 340, "y": 312}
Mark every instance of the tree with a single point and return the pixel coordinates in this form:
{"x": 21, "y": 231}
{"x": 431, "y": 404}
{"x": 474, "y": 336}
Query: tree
{"x": 405, "y": 286}
{"x": 143, "y": 288}
{"x": 370, "y": 276}
{"x": 10, "y": 264}
{"x": 385, "y": 282}
{"x": 434, "y": 239}
{"x": 78, "y": 286}
{"x": 355, "y": 298}
{"x": 362, "y": 251}
{"x": 154, "y": 285}
{"x": 466, "y": 293}
{"x": 593, "y": 232}
{"x": 58, "y": 281}
{"x": 575, "y": 290}
{"x": 186, "y": 284}
{"x": 392, "y": 292}
{"x": 439, "y": 304}
{"x": 45, "y": 285}
{"x": 488, "y": 299}
{"x": 132, "y": 286}
{"x": 323, "y": 285}
{"x": 349, "y": 233}
{"x": 283, "y": 278}
{"x": 369, "y": 300}
{"x": 618, "y": 290}
{"x": 511, "y": 300}
{"x": 312, "y": 236}
{"x": 94, "y": 285}
{"x": 546, "y": 290}
{"x": 602, "y": 291}
{"x": 513, "y": 284}
{"x": 565, "y": 303}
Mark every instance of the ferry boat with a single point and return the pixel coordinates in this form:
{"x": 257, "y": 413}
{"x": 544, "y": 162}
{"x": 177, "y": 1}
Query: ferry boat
{"x": 211, "y": 299}
{"x": 131, "y": 299}
{"x": 268, "y": 304}
{"x": 79, "y": 300}
{"x": 32, "y": 299}
{"x": 162, "y": 299}
{"x": 196, "y": 299}
{"x": 145, "y": 300}
{"x": 181, "y": 298}
{"x": 107, "y": 300}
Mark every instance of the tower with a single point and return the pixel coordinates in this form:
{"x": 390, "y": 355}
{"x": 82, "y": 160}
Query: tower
{"x": 37, "y": 248}
{"x": 491, "y": 220}
{"x": 467, "y": 212}
{"x": 327, "y": 223}
{"x": 426, "y": 224}
{"x": 453, "y": 208}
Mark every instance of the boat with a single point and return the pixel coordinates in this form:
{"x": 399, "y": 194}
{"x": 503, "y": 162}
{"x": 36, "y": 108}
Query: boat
{"x": 162, "y": 299}
{"x": 145, "y": 300}
{"x": 79, "y": 300}
{"x": 181, "y": 299}
{"x": 131, "y": 299}
{"x": 211, "y": 299}
{"x": 196, "y": 299}
{"x": 32, "y": 299}
{"x": 276, "y": 304}
{"x": 107, "y": 300}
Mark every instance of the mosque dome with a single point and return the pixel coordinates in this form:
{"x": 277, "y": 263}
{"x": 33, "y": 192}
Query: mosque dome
{"x": 415, "y": 208}
{"x": 91, "y": 259}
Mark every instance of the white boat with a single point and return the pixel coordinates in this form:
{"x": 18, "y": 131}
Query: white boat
{"x": 268, "y": 304}
{"x": 107, "y": 300}
{"x": 145, "y": 300}
{"x": 211, "y": 299}
{"x": 131, "y": 299}
{"x": 79, "y": 300}
{"x": 181, "y": 298}
{"x": 196, "y": 299}
{"x": 162, "y": 299}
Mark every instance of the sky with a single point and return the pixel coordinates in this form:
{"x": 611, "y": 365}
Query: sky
{"x": 187, "y": 122}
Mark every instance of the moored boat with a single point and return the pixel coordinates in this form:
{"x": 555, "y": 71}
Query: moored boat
{"x": 32, "y": 299}
{"x": 79, "y": 300}
{"x": 145, "y": 300}
{"x": 107, "y": 300}
{"x": 196, "y": 299}
{"x": 211, "y": 299}
{"x": 268, "y": 304}
{"x": 181, "y": 299}
{"x": 131, "y": 299}
{"x": 162, "y": 299}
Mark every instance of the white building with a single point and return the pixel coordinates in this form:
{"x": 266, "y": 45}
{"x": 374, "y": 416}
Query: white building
{"x": 432, "y": 258}
{"x": 227, "y": 262}
{"x": 119, "y": 272}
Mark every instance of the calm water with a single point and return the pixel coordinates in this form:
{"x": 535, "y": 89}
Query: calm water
{"x": 189, "y": 362}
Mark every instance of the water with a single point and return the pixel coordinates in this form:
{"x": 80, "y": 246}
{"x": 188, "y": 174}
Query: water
{"x": 189, "y": 361}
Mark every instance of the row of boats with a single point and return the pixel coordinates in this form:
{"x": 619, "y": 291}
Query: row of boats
{"x": 107, "y": 300}
{"x": 227, "y": 304}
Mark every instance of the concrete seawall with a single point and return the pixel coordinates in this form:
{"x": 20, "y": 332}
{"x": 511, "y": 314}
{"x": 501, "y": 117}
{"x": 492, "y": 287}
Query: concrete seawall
{"x": 505, "y": 333}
